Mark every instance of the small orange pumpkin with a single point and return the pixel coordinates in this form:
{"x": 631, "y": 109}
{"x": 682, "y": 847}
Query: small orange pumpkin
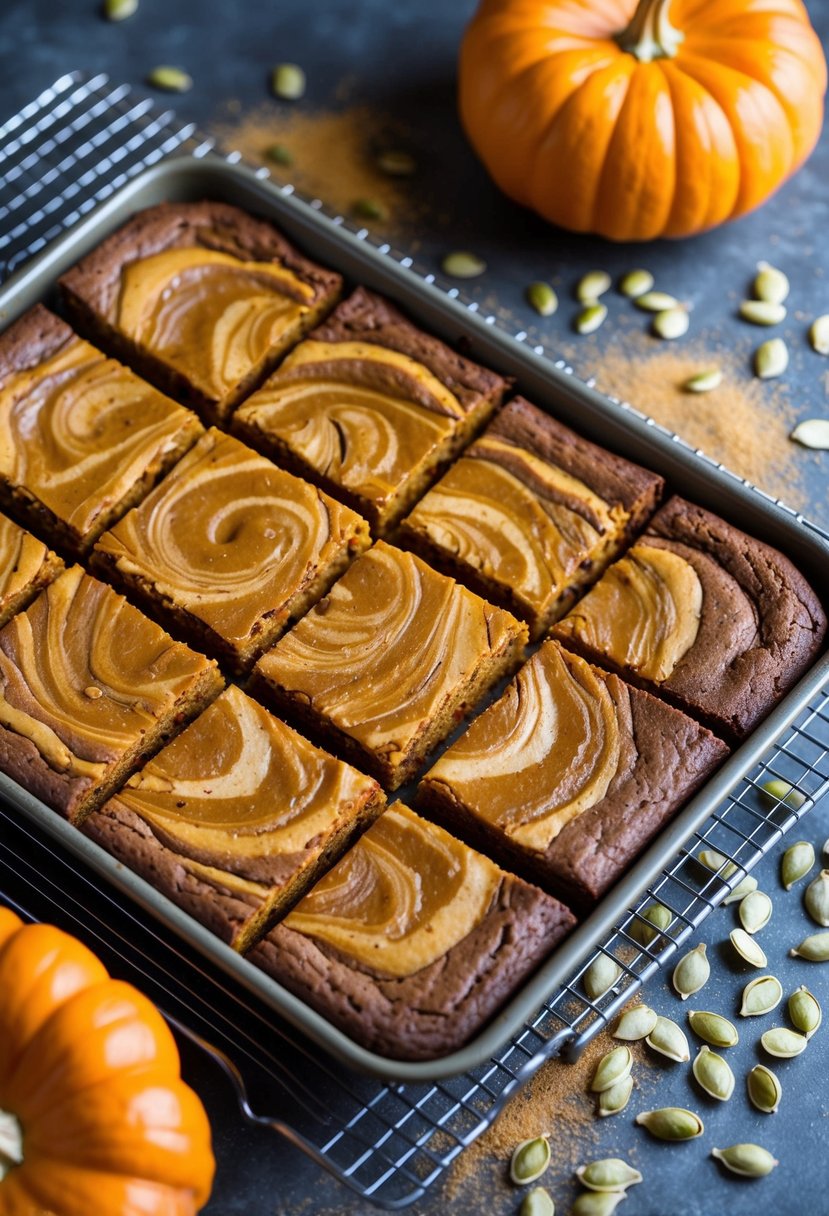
{"x": 640, "y": 120}
{"x": 94, "y": 1117}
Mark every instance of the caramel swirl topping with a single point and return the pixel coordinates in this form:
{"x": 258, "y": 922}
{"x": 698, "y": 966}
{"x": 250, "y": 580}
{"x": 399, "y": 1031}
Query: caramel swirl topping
{"x": 401, "y": 898}
{"x": 22, "y": 557}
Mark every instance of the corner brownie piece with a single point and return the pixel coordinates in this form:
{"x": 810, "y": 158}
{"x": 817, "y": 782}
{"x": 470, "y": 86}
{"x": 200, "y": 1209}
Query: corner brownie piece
{"x": 718, "y": 621}
{"x": 390, "y": 661}
{"x": 569, "y": 775}
{"x": 413, "y": 941}
{"x": 88, "y": 687}
{"x": 371, "y": 407}
{"x": 531, "y": 513}
{"x": 236, "y": 817}
{"x": 81, "y": 437}
{"x": 201, "y": 297}
{"x": 230, "y": 548}
{"x": 26, "y": 567}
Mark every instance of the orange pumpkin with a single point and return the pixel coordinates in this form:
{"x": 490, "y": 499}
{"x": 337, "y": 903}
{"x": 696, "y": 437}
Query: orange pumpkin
{"x": 94, "y": 1117}
{"x": 635, "y": 121}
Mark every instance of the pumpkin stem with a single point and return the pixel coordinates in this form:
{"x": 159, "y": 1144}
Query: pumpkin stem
{"x": 650, "y": 34}
{"x": 11, "y": 1143}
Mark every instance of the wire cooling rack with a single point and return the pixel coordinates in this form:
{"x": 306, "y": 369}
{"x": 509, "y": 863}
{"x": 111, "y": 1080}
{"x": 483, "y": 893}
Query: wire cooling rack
{"x": 73, "y": 146}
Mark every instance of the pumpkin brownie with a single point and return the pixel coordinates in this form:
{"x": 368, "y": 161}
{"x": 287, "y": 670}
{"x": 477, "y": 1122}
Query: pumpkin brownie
{"x": 236, "y": 817}
{"x": 89, "y": 687}
{"x": 413, "y": 941}
{"x": 370, "y": 407}
{"x": 201, "y": 298}
{"x": 390, "y": 661}
{"x": 26, "y": 567}
{"x": 228, "y": 548}
{"x": 717, "y": 621}
{"x": 531, "y": 513}
{"x": 568, "y": 776}
{"x": 82, "y": 438}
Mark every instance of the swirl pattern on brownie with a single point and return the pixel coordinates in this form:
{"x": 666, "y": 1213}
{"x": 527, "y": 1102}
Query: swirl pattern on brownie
{"x": 22, "y": 557}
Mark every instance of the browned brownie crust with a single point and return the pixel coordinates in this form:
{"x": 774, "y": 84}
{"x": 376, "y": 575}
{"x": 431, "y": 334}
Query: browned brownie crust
{"x": 36, "y": 336}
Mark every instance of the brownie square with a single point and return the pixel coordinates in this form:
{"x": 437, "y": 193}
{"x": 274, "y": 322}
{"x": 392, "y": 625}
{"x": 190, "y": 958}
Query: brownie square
{"x": 201, "y": 298}
{"x": 89, "y": 687}
{"x": 390, "y": 661}
{"x": 236, "y": 817}
{"x": 717, "y": 621}
{"x": 81, "y": 437}
{"x": 26, "y": 567}
{"x": 531, "y": 513}
{"x": 413, "y": 941}
{"x": 228, "y": 548}
{"x": 569, "y": 775}
{"x": 370, "y": 407}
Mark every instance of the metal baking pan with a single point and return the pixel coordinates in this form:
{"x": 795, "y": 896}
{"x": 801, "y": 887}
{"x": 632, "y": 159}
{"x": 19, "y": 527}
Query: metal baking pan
{"x": 551, "y": 387}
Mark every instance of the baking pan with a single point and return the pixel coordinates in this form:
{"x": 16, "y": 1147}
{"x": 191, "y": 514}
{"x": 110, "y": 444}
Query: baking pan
{"x": 553, "y": 388}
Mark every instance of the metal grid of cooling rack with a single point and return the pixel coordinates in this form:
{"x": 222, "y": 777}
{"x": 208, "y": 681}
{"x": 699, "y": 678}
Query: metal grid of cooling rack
{"x": 77, "y": 143}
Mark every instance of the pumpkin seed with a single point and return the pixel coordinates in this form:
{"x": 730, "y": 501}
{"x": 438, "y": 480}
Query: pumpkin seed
{"x": 816, "y": 899}
{"x": 796, "y": 863}
{"x": 748, "y": 949}
{"x": 529, "y": 1160}
{"x": 537, "y": 1202}
{"x": 542, "y": 298}
{"x": 715, "y": 861}
{"x": 815, "y": 948}
{"x": 288, "y": 81}
{"x": 609, "y": 1174}
{"x": 762, "y": 312}
{"x": 463, "y": 265}
{"x": 761, "y": 996}
{"x": 764, "y": 1089}
{"x": 635, "y": 283}
{"x": 657, "y": 916}
{"x": 635, "y": 1024}
{"x": 770, "y": 284}
{"x": 671, "y": 323}
{"x": 656, "y": 301}
{"x": 714, "y": 1028}
{"x": 713, "y": 1074}
{"x": 691, "y": 972}
{"x": 369, "y": 209}
{"x": 747, "y": 1160}
{"x": 782, "y": 791}
{"x": 755, "y": 912}
{"x": 611, "y": 1069}
{"x": 819, "y": 334}
{"x": 741, "y": 890}
{"x": 600, "y": 976}
{"x": 171, "y": 80}
{"x": 395, "y": 162}
{"x": 671, "y": 1123}
{"x": 613, "y": 1101}
{"x": 813, "y": 433}
{"x": 783, "y": 1043}
{"x": 119, "y": 10}
{"x": 703, "y": 382}
{"x": 279, "y": 154}
{"x": 592, "y": 285}
{"x": 805, "y": 1011}
{"x": 590, "y": 318}
{"x": 771, "y": 359}
{"x": 669, "y": 1040}
{"x": 595, "y": 1203}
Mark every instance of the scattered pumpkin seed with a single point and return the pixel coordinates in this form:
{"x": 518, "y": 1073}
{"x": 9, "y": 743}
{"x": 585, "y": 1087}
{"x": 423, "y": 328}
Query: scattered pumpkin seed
{"x": 635, "y": 283}
{"x": 613, "y": 1101}
{"x": 600, "y": 976}
{"x": 635, "y": 1024}
{"x": 783, "y": 791}
{"x": 395, "y": 162}
{"x": 542, "y": 298}
{"x": 656, "y": 301}
{"x": 463, "y": 265}
{"x": 170, "y": 79}
{"x": 813, "y": 433}
{"x": 762, "y": 312}
{"x": 755, "y": 912}
{"x": 815, "y": 948}
{"x": 691, "y": 972}
{"x": 590, "y": 318}
{"x": 771, "y": 359}
{"x": 770, "y": 284}
{"x": 816, "y": 899}
{"x": 805, "y": 1011}
{"x": 819, "y": 334}
{"x": 529, "y": 1160}
{"x": 703, "y": 382}
{"x": 671, "y": 323}
{"x": 715, "y": 861}
{"x": 748, "y": 949}
{"x": 760, "y": 996}
{"x": 764, "y": 1089}
{"x": 288, "y": 81}
{"x": 595, "y": 1203}
{"x": 279, "y": 154}
{"x": 592, "y": 285}
{"x": 537, "y": 1202}
{"x": 713, "y": 1074}
{"x": 369, "y": 209}
{"x": 671, "y": 1123}
{"x": 783, "y": 1043}
{"x": 611, "y": 1069}
{"x": 741, "y": 890}
{"x": 119, "y": 10}
{"x": 713, "y": 1028}
{"x": 797, "y": 861}
{"x": 609, "y": 1174}
{"x": 657, "y": 916}
{"x": 669, "y": 1040}
{"x": 747, "y": 1160}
